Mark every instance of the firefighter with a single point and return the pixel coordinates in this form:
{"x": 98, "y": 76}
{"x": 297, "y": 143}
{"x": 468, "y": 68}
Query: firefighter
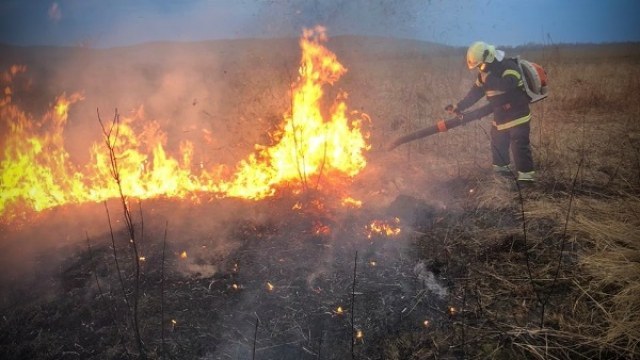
{"x": 501, "y": 82}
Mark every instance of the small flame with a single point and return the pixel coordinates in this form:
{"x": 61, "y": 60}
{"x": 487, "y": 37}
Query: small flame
{"x": 425, "y": 323}
{"x": 351, "y": 202}
{"x": 270, "y": 286}
{"x": 235, "y": 286}
{"x": 359, "y": 335}
{"x": 339, "y": 310}
{"x": 297, "y": 206}
{"x": 373, "y": 263}
{"x": 379, "y": 227}
{"x": 321, "y": 229}
{"x": 142, "y": 258}
{"x": 183, "y": 255}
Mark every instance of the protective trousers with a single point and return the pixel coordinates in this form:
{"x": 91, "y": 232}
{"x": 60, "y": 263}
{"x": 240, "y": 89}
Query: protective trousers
{"x": 516, "y": 139}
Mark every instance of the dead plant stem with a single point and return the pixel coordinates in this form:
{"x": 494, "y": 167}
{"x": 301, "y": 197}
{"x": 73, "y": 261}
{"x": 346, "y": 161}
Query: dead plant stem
{"x": 115, "y": 172}
{"x": 164, "y": 246}
{"x": 255, "y": 338}
{"x": 104, "y": 301}
{"x": 353, "y": 300}
{"x": 563, "y": 242}
{"x": 115, "y": 258}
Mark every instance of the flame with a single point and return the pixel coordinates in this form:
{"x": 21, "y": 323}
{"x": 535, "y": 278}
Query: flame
{"x": 314, "y": 148}
{"x": 321, "y": 229}
{"x": 351, "y": 202}
{"x": 270, "y": 286}
{"x": 309, "y": 146}
{"x": 339, "y": 310}
{"x": 380, "y": 227}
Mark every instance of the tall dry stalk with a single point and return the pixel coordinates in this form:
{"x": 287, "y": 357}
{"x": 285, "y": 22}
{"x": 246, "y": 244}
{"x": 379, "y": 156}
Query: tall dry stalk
{"x": 111, "y": 139}
{"x": 353, "y": 301}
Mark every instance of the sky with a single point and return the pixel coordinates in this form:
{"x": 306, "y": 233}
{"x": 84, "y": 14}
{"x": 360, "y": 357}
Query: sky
{"x": 100, "y": 23}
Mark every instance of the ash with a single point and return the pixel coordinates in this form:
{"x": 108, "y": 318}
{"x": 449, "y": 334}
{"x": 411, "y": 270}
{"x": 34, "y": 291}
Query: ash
{"x": 244, "y": 280}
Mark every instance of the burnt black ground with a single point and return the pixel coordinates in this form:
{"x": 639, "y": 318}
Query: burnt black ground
{"x": 213, "y": 298}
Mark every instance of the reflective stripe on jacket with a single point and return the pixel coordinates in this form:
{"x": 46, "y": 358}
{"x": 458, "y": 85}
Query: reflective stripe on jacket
{"x": 512, "y": 123}
{"x": 503, "y": 86}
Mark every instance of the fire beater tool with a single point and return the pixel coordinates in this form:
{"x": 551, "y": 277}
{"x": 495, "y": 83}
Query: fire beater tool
{"x": 440, "y": 126}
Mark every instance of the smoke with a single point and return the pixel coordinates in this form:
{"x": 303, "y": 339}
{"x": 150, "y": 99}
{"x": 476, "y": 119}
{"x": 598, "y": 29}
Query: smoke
{"x": 223, "y": 97}
{"x": 55, "y": 13}
{"x": 217, "y": 96}
{"x": 359, "y": 17}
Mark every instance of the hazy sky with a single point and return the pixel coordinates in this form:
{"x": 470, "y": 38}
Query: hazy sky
{"x": 107, "y": 23}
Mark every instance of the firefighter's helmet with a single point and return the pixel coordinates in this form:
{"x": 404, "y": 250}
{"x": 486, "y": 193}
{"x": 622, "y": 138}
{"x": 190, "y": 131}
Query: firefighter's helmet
{"x": 480, "y": 52}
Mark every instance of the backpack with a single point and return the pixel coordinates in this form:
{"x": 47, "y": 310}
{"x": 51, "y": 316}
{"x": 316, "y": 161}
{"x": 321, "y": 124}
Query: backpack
{"x": 535, "y": 80}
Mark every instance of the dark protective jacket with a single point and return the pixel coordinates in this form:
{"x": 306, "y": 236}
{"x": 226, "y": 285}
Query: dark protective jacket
{"x": 501, "y": 82}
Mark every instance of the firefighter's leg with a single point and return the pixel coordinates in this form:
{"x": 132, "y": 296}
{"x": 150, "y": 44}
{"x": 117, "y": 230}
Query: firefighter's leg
{"x": 500, "y": 148}
{"x": 521, "y": 150}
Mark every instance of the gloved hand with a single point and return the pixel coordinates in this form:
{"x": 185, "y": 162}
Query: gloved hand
{"x": 451, "y": 109}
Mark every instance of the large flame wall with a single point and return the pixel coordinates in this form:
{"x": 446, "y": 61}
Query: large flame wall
{"x": 310, "y": 149}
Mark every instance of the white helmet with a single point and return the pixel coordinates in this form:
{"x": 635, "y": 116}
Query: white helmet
{"x": 480, "y": 52}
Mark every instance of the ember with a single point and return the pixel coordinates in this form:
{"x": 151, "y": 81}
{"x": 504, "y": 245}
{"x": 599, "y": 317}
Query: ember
{"x": 321, "y": 229}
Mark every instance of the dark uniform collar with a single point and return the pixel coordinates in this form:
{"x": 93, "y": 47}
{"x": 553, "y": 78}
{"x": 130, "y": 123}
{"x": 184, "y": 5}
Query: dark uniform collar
{"x": 489, "y": 67}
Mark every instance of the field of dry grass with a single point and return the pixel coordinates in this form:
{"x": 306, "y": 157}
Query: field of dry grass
{"x": 550, "y": 271}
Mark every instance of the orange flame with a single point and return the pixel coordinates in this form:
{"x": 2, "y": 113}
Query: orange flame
{"x": 379, "y": 227}
{"x": 311, "y": 150}
{"x": 321, "y": 229}
{"x": 309, "y": 146}
{"x": 351, "y": 202}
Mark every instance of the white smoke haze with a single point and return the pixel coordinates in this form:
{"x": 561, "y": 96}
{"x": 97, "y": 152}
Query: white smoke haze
{"x": 55, "y": 13}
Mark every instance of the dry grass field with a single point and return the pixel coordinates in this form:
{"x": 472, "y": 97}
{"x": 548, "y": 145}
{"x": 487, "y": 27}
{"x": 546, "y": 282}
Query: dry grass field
{"x": 550, "y": 271}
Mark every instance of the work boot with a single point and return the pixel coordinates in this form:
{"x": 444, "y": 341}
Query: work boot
{"x": 526, "y": 176}
{"x": 502, "y": 169}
